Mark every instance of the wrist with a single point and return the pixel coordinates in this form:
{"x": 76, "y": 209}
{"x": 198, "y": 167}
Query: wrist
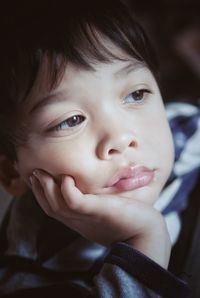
{"x": 154, "y": 241}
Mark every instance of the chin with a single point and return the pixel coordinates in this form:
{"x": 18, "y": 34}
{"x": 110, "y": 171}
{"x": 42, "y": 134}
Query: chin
{"x": 145, "y": 194}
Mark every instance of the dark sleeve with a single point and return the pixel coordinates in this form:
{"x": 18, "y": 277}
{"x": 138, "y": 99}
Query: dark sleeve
{"x": 124, "y": 273}
{"x": 129, "y": 273}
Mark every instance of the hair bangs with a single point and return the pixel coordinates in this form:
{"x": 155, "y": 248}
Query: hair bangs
{"x": 85, "y": 39}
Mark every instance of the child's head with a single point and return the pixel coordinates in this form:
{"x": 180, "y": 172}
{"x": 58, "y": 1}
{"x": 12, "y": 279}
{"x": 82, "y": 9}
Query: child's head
{"x": 79, "y": 97}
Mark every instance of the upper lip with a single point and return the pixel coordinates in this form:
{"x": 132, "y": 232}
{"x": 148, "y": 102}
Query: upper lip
{"x": 128, "y": 172}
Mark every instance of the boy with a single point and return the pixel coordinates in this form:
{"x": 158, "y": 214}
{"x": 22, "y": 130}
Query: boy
{"x": 84, "y": 130}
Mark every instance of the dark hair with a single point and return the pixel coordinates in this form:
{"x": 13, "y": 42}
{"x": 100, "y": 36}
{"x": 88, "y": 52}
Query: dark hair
{"x": 65, "y": 31}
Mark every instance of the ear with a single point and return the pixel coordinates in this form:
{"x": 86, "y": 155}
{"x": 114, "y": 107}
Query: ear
{"x": 10, "y": 179}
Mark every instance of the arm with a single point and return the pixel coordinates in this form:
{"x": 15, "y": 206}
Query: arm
{"x": 129, "y": 273}
{"x": 107, "y": 220}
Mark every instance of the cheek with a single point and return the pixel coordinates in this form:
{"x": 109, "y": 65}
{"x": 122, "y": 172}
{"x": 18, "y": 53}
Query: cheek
{"x": 165, "y": 150}
{"x": 158, "y": 141}
{"x": 57, "y": 160}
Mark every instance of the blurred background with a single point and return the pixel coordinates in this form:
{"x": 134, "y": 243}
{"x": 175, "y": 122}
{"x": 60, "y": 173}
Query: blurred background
{"x": 174, "y": 26}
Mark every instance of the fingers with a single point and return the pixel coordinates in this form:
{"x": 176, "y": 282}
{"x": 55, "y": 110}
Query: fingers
{"x": 48, "y": 193}
{"x": 75, "y": 199}
{"x": 65, "y": 201}
{"x": 71, "y": 194}
{"x": 39, "y": 195}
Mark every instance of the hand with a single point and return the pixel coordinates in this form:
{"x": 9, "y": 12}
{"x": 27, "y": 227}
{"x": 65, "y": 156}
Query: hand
{"x": 104, "y": 219}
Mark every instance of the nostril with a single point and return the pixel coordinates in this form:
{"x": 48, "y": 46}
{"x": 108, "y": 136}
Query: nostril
{"x": 112, "y": 151}
{"x": 109, "y": 147}
{"x": 132, "y": 144}
{"x": 121, "y": 147}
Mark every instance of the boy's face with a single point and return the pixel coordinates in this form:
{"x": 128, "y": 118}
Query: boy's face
{"x": 106, "y": 128}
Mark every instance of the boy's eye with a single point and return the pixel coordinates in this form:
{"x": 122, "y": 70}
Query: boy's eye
{"x": 70, "y": 122}
{"x": 137, "y": 96}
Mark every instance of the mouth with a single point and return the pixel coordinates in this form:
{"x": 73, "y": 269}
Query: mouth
{"x": 131, "y": 178}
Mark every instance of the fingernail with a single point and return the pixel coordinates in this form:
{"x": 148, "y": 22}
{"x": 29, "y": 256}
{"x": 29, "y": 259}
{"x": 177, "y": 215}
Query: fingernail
{"x": 31, "y": 179}
{"x": 36, "y": 173}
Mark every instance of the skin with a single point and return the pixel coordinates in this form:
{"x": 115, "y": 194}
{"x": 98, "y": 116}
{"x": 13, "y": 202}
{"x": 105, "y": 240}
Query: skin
{"x": 121, "y": 123}
{"x": 118, "y": 130}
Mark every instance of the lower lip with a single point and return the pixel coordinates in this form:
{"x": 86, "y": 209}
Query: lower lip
{"x": 132, "y": 183}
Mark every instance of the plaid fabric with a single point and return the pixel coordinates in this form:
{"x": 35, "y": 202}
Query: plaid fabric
{"x": 184, "y": 120}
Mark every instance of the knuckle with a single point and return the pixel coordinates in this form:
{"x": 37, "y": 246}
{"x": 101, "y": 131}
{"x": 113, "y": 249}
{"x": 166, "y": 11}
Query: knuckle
{"x": 56, "y": 209}
{"x": 45, "y": 183}
{"x": 49, "y": 212}
{"x": 73, "y": 205}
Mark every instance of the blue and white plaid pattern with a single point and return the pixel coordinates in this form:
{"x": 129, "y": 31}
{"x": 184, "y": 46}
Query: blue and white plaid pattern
{"x": 184, "y": 120}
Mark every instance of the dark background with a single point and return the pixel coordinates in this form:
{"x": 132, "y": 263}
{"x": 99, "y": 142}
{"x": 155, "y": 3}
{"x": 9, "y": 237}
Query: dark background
{"x": 174, "y": 27}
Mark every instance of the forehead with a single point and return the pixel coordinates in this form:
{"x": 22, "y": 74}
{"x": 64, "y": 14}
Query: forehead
{"x": 42, "y": 87}
{"x": 77, "y": 79}
{"x": 104, "y": 79}
{"x": 83, "y": 87}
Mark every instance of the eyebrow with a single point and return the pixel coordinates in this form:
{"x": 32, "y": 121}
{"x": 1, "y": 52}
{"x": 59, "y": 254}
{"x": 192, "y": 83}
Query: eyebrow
{"x": 50, "y": 98}
{"x": 131, "y": 67}
{"x": 58, "y": 96}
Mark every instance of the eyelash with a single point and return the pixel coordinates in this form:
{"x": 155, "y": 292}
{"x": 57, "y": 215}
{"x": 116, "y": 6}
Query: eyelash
{"x": 75, "y": 121}
{"x": 137, "y": 93}
{"x": 78, "y": 119}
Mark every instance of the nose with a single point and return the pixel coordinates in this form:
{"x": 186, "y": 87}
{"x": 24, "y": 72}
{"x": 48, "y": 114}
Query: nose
{"x": 114, "y": 144}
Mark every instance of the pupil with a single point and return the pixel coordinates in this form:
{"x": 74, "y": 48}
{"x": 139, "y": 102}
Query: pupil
{"x": 138, "y": 95}
{"x": 74, "y": 120}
